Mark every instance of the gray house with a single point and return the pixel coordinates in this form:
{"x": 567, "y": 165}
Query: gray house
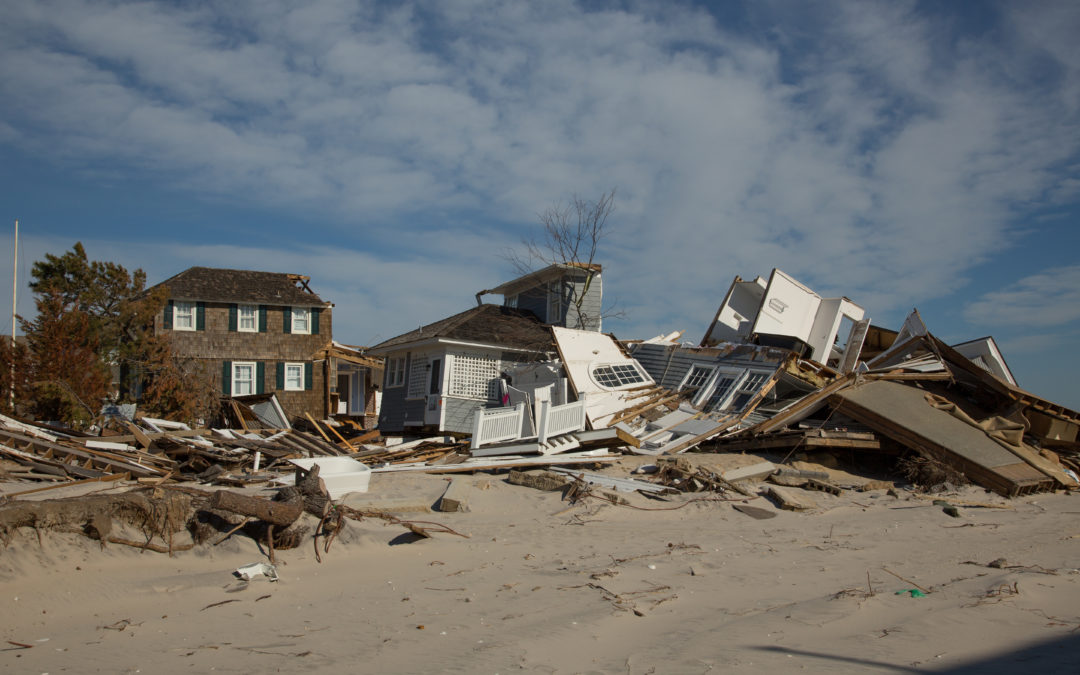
{"x": 567, "y": 295}
{"x": 439, "y": 374}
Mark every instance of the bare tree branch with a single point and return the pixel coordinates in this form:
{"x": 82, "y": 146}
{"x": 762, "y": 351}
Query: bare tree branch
{"x": 571, "y": 235}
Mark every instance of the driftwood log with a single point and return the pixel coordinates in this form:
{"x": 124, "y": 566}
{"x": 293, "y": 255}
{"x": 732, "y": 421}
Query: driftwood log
{"x": 281, "y": 513}
{"x": 310, "y": 489}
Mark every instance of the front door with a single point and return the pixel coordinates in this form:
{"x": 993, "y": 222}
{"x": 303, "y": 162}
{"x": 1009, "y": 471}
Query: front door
{"x": 434, "y": 408}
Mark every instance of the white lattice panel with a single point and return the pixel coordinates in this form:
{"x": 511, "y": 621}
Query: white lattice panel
{"x": 474, "y": 377}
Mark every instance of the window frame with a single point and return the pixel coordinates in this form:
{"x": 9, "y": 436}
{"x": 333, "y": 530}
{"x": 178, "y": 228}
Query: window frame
{"x": 395, "y": 372}
{"x": 179, "y": 307}
{"x": 296, "y": 313}
{"x": 300, "y": 378}
{"x": 240, "y": 310}
{"x": 617, "y": 368}
{"x": 708, "y": 368}
{"x": 740, "y": 377}
{"x": 236, "y": 365}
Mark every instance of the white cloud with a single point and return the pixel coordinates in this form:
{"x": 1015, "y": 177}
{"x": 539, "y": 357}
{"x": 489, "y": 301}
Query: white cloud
{"x": 863, "y": 147}
{"x": 1051, "y": 298}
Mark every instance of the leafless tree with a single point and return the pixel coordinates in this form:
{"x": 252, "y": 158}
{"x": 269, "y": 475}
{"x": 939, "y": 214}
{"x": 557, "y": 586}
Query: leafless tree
{"x": 571, "y": 234}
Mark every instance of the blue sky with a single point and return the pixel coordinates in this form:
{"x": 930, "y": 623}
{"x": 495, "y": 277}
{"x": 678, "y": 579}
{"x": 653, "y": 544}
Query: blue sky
{"x": 902, "y": 154}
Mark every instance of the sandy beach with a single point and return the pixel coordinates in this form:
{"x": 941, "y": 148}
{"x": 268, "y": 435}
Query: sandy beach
{"x": 865, "y": 582}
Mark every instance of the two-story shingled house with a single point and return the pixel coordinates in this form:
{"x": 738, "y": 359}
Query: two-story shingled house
{"x": 254, "y": 333}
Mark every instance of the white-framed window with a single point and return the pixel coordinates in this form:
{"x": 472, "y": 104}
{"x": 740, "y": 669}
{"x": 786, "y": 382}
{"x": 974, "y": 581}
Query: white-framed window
{"x": 615, "y": 375}
{"x": 697, "y": 376}
{"x": 732, "y": 388}
{"x": 748, "y": 388}
{"x": 301, "y": 320}
{"x": 247, "y": 318}
{"x": 183, "y": 315}
{"x": 511, "y": 301}
{"x": 473, "y": 376}
{"x": 294, "y": 377}
{"x": 243, "y": 378}
{"x": 395, "y": 371}
{"x": 418, "y": 377}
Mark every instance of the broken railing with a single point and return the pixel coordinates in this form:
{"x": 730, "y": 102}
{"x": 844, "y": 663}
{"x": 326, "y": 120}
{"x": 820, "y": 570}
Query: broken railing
{"x": 495, "y": 425}
{"x": 560, "y": 419}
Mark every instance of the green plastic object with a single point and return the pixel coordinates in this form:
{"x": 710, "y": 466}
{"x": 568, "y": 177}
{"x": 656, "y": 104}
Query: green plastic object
{"x": 913, "y": 592}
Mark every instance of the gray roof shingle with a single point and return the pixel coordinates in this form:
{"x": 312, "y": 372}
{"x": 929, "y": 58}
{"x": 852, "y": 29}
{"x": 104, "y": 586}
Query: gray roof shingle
{"x": 495, "y": 325}
{"x": 221, "y": 285}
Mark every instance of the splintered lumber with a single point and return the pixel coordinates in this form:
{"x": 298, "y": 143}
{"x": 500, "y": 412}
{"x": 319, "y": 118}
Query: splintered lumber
{"x": 275, "y": 513}
{"x": 102, "y": 479}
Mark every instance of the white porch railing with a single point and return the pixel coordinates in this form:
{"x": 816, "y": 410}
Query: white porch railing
{"x": 492, "y": 425}
{"x": 560, "y": 419}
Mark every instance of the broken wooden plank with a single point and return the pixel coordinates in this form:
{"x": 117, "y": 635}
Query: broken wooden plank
{"x": 547, "y": 481}
{"x": 753, "y": 472}
{"x": 456, "y": 497}
{"x": 789, "y": 501}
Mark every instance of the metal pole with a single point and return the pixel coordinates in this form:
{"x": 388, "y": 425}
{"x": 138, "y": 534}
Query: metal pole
{"x": 14, "y": 299}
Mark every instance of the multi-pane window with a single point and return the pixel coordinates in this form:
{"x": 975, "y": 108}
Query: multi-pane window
{"x": 697, "y": 377}
{"x": 616, "y": 375}
{"x": 725, "y": 383}
{"x": 301, "y": 320}
{"x": 734, "y": 389}
{"x": 247, "y": 320}
{"x": 183, "y": 315}
{"x": 294, "y": 377}
{"x": 395, "y": 371}
{"x": 243, "y": 379}
{"x": 748, "y": 389}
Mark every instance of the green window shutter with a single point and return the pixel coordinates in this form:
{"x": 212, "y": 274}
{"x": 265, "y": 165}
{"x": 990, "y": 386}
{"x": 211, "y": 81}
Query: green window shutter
{"x": 286, "y": 324}
{"x": 226, "y": 378}
{"x": 308, "y": 377}
{"x": 233, "y": 311}
{"x": 167, "y": 323}
{"x": 262, "y": 318}
{"x": 314, "y": 321}
{"x": 280, "y": 375}
{"x": 260, "y": 377}
{"x": 200, "y": 316}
